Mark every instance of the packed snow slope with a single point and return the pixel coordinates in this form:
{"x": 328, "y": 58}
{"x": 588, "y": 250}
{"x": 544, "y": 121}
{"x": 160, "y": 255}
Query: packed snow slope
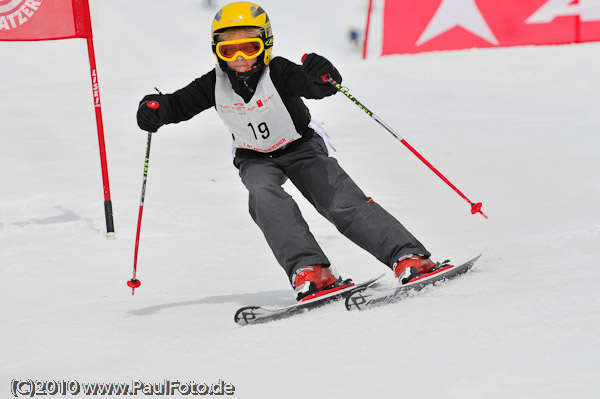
{"x": 515, "y": 128}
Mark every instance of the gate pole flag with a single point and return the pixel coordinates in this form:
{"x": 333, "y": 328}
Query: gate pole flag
{"x": 33, "y": 20}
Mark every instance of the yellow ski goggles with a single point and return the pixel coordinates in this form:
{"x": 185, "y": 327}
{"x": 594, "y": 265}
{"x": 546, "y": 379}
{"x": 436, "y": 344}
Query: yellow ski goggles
{"x": 247, "y": 48}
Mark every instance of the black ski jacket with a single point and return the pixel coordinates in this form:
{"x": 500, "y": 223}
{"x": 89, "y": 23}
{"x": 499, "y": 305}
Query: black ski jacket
{"x": 289, "y": 80}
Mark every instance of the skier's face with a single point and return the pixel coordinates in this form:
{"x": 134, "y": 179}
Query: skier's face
{"x": 240, "y": 64}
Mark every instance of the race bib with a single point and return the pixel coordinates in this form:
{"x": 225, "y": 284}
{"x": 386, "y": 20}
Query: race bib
{"x": 263, "y": 124}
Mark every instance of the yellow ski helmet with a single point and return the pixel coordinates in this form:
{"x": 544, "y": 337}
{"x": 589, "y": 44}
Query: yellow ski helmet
{"x": 243, "y": 14}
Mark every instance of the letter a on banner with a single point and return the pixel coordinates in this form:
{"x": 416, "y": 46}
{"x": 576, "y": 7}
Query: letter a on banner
{"x": 27, "y": 20}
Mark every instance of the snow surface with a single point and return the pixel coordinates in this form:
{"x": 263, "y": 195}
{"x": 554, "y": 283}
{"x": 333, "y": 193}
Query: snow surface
{"x": 515, "y": 128}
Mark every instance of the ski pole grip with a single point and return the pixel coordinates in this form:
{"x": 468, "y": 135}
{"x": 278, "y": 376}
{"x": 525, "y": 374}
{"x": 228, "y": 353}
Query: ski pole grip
{"x": 324, "y": 78}
{"x": 153, "y": 105}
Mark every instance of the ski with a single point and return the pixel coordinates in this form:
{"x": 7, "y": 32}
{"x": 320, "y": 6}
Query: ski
{"x": 262, "y": 314}
{"x": 367, "y": 297}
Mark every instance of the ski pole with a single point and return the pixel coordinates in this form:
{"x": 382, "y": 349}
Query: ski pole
{"x": 135, "y": 283}
{"x": 475, "y": 207}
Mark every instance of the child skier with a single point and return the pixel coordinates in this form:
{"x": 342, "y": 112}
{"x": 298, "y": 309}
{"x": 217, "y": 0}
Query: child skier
{"x": 259, "y": 100}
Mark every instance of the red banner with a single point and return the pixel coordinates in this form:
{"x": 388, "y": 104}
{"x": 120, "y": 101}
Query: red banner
{"x": 414, "y": 26}
{"x": 44, "y": 19}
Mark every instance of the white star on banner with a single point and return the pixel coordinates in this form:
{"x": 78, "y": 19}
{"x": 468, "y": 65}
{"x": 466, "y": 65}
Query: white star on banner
{"x": 463, "y": 13}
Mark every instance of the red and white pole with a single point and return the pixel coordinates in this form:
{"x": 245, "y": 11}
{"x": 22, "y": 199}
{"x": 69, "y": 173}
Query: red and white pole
{"x": 83, "y": 25}
{"x": 108, "y": 213}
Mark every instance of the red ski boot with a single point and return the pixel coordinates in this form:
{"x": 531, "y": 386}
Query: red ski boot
{"x": 408, "y": 267}
{"x": 314, "y": 278}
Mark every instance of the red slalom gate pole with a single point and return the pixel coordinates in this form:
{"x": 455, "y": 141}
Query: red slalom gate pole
{"x": 475, "y": 207}
{"x": 134, "y": 282}
{"x": 108, "y": 212}
{"x": 366, "y": 38}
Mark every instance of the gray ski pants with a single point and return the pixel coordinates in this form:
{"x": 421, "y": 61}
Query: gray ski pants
{"x": 331, "y": 191}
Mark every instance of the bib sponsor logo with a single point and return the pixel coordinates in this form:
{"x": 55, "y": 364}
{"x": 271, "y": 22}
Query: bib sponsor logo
{"x": 14, "y": 13}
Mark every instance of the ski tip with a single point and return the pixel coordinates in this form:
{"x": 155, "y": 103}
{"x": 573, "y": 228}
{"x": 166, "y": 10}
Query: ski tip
{"x": 245, "y": 315}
